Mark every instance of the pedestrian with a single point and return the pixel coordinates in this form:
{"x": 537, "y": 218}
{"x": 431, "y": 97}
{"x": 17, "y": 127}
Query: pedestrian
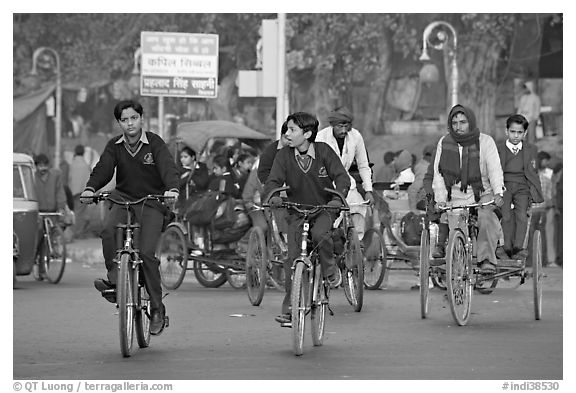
{"x": 467, "y": 170}
{"x": 49, "y": 186}
{"x": 78, "y": 177}
{"x": 386, "y": 173}
{"x": 143, "y": 166}
{"x": 416, "y": 191}
{"x": 518, "y": 161}
{"x": 348, "y": 143}
{"x": 529, "y": 106}
{"x": 307, "y": 167}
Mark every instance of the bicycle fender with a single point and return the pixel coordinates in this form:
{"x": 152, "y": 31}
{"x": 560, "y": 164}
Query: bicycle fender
{"x": 180, "y": 226}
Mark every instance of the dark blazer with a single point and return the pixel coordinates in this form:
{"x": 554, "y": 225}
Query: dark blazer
{"x": 530, "y": 153}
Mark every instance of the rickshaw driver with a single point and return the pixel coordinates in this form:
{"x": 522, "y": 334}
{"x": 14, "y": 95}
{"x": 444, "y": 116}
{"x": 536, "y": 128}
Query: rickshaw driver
{"x": 307, "y": 167}
{"x": 348, "y": 144}
{"x": 467, "y": 169}
{"x": 144, "y": 166}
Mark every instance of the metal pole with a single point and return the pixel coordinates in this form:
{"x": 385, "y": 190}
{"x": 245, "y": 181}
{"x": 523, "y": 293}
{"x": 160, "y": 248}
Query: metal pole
{"x": 161, "y": 116}
{"x": 281, "y": 91}
{"x": 454, "y": 80}
{"x": 58, "y": 125}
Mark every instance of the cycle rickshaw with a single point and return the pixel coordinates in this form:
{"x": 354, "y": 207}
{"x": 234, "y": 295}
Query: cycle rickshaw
{"x": 385, "y": 247}
{"x": 459, "y": 266}
{"x": 215, "y": 260}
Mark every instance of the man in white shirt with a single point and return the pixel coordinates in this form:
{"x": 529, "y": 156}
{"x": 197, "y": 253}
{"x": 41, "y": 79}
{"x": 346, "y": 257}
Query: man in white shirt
{"x": 348, "y": 144}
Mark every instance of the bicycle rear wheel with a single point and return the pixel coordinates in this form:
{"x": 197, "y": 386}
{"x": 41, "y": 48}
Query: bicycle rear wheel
{"x": 54, "y": 258}
{"x": 173, "y": 255}
{"x": 374, "y": 258}
{"x": 458, "y": 278}
{"x": 125, "y": 299}
{"x": 353, "y": 277}
{"x": 318, "y": 308}
{"x": 299, "y": 301}
{"x": 424, "y": 271}
{"x": 142, "y": 313}
{"x": 256, "y": 263}
{"x": 537, "y": 273}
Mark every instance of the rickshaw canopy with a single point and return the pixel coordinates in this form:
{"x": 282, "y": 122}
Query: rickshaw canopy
{"x": 196, "y": 134}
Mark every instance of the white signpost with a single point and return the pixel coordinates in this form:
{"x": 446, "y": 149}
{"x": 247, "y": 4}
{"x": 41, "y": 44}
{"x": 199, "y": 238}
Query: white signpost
{"x": 179, "y": 64}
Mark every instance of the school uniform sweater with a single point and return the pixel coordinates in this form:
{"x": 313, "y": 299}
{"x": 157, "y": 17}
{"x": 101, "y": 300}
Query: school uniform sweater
{"x": 150, "y": 170}
{"x": 528, "y": 155}
{"x": 307, "y": 187}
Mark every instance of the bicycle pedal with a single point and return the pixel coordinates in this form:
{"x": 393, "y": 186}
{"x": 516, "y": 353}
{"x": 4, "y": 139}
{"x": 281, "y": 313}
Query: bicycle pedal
{"x": 286, "y": 324}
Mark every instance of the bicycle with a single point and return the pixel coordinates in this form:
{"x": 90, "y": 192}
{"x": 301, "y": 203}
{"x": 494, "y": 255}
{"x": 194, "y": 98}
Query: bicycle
{"x": 50, "y": 260}
{"x": 310, "y": 290}
{"x": 132, "y": 299}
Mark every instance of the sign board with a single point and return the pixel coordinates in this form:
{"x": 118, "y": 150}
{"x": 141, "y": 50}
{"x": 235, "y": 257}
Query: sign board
{"x": 179, "y": 64}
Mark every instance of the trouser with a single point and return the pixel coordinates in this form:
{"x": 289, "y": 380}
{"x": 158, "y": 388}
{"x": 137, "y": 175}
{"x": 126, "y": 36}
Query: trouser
{"x": 320, "y": 232}
{"x": 489, "y": 229}
{"x": 515, "y": 221}
{"x": 151, "y": 221}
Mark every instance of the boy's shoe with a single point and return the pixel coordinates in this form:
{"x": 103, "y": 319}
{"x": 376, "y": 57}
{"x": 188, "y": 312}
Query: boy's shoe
{"x": 158, "y": 321}
{"x": 502, "y": 253}
{"x": 106, "y": 288}
{"x": 335, "y": 279}
{"x": 284, "y": 318}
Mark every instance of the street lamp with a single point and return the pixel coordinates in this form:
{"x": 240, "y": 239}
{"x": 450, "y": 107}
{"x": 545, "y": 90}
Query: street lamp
{"x": 58, "y": 125}
{"x": 438, "y": 41}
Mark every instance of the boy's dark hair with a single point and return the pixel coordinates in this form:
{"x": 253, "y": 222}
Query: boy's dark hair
{"x": 306, "y": 122}
{"x": 41, "y": 159}
{"x": 243, "y": 157}
{"x": 189, "y": 150}
{"x": 284, "y": 128}
{"x": 79, "y": 150}
{"x": 125, "y": 104}
{"x": 389, "y": 157}
{"x": 221, "y": 161}
{"x": 517, "y": 119}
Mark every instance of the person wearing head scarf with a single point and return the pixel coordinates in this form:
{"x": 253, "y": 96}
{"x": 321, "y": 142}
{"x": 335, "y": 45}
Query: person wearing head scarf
{"x": 403, "y": 167}
{"x": 348, "y": 144}
{"x": 467, "y": 169}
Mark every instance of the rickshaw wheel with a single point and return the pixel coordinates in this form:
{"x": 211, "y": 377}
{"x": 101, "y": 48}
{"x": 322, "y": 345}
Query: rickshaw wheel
{"x": 256, "y": 264}
{"x": 537, "y": 273}
{"x": 458, "y": 277}
{"x": 209, "y": 274}
{"x": 374, "y": 258}
{"x": 173, "y": 255}
{"x": 424, "y": 271}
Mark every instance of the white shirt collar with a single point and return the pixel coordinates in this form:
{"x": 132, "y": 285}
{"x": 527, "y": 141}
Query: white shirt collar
{"x": 311, "y": 151}
{"x": 512, "y": 147}
{"x": 143, "y": 138}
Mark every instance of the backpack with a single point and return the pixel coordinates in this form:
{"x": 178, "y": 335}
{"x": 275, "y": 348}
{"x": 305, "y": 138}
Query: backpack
{"x": 411, "y": 228}
{"x": 201, "y": 208}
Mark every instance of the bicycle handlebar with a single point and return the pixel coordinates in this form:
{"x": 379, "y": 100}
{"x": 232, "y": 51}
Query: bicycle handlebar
{"x": 308, "y": 208}
{"x": 106, "y": 196}
{"x": 446, "y": 208}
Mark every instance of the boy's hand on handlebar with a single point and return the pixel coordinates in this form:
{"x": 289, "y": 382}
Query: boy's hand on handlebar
{"x": 275, "y": 202}
{"x": 171, "y": 196}
{"x": 86, "y": 196}
{"x": 336, "y": 204}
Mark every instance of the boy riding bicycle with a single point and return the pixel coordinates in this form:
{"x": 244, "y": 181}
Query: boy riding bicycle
{"x": 307, "y": 167}
{"x": 143, "y": 166}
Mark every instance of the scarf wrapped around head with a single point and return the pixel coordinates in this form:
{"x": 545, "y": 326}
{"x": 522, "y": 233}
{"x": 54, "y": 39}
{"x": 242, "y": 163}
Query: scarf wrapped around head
{"x": 340, "y": 115}
{"x": 449, "y": 165}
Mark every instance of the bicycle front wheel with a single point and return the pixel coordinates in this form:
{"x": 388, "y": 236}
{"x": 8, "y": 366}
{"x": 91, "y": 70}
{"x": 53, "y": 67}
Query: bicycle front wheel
{"x": 458, "y": 278}
{"x": 374, "y": 258}
{"x": 125, "y": 299}
{"x": 318, "y": 308}
{"x": 173, "y": 255}
{"x": 299, "y": 301}
{"x": 142, "y": 313}
{"x": 353, "y": 275}
{"x": 537, "y": 273}
{"x": 256, "y": 263}
{"x": 424, "y": 271}
{"x": 55, "y": 255}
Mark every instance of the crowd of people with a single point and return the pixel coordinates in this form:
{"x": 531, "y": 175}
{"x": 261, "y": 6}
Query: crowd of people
{"x": 464, "y": 166}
